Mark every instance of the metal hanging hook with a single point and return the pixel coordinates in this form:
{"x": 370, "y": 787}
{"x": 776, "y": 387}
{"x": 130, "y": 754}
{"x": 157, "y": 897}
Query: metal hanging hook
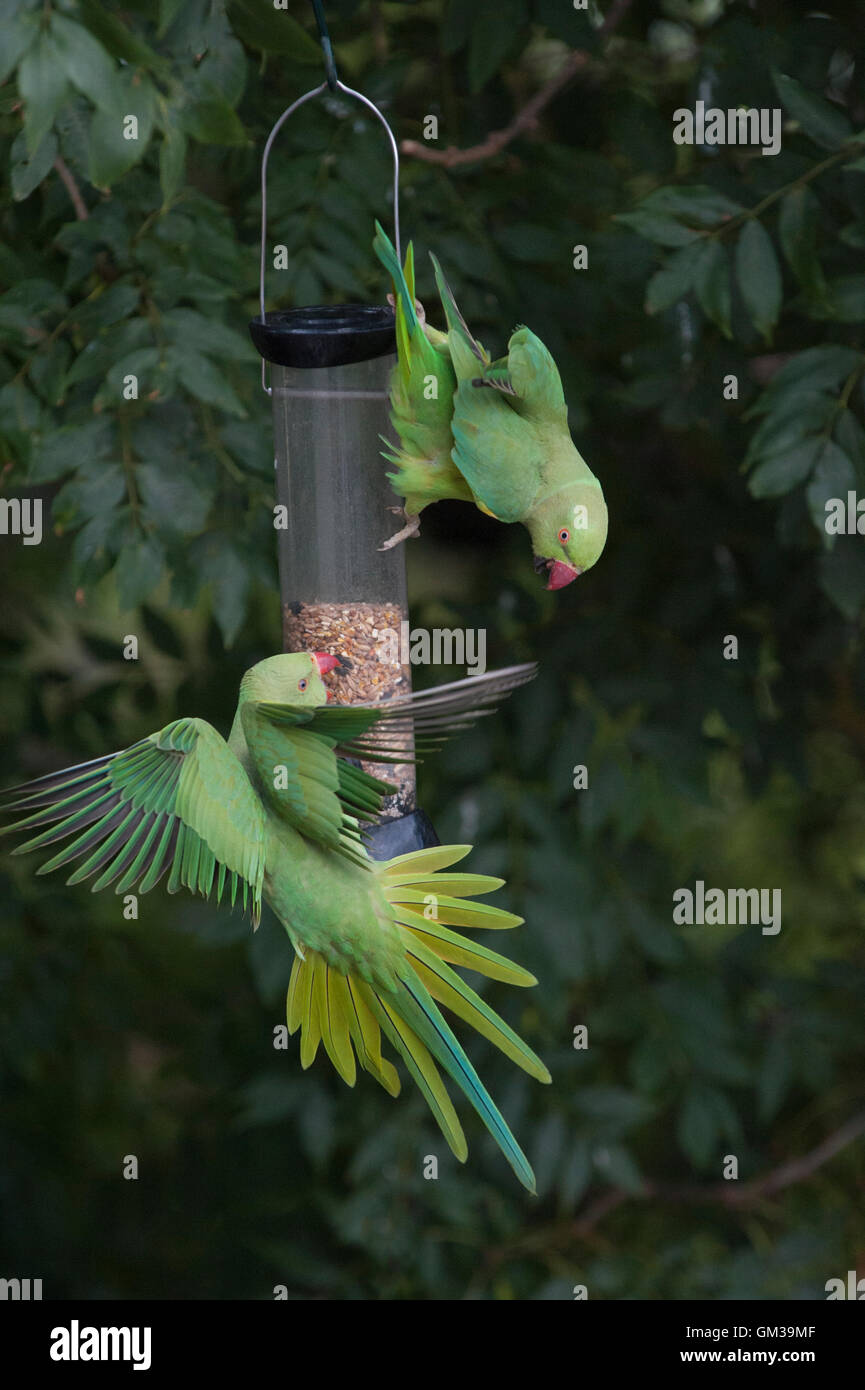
{"x": 326, "y": 46}
{"x": 331, "y": 83}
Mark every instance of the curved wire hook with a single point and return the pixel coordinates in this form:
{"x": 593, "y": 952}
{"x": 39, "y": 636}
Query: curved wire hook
{"x": 326, "y": 46}
{"x": 289, "y": 111}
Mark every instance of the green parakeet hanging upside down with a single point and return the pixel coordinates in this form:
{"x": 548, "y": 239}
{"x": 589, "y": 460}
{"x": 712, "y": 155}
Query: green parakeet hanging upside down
{"x": 494, "y": 433}
{"x": 273, "y": 814}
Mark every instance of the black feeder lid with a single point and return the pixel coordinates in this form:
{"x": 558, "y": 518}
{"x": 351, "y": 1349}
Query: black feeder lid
{"x": 324, "y": 335}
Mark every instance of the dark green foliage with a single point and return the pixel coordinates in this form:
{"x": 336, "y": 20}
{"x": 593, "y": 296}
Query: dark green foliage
{"x": 154, "y": 1037}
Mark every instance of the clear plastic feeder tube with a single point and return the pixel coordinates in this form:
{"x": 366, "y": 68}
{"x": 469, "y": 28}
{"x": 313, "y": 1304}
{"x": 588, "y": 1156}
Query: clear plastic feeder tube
{"x": 340, "y": 593}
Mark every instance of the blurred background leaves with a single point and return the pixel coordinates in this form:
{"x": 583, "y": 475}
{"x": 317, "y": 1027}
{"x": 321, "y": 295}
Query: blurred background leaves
{"x": 705, "y": 263}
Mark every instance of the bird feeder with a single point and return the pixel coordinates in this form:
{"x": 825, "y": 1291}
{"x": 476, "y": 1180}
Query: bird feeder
{"x": 329, "y": 369}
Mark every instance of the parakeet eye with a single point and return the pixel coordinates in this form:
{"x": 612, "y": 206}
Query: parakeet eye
{"x": 564, "y": 535}
{"x": 302, "y": 684}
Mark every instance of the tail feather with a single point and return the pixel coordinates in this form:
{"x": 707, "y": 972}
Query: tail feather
{"x": 422, "y": 1068}
{"x": 461, "y": 950}
{"x": 424, "y": 1017}
{"x": 329, "y": 1007}
{"x": 465, "y": 349}
{"x": 342, "y": 1009}
{"x": 406, "y": 319}
{"x": 330, "y": 996}
{"x": 447, "y": 988}
{"x": 386, "y": 252}
{"x": 407, "y": 868}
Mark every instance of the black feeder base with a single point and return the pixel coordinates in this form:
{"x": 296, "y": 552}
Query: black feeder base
{"x": 401, "y": 836}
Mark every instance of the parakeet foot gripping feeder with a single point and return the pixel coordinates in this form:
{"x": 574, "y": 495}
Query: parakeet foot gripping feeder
{"x": 329, "y": 369}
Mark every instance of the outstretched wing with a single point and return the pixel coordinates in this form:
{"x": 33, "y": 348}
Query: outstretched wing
{"x": 300, "y": 751}
{"x": 429, "y": 717}
{"x": 178, "y": 802}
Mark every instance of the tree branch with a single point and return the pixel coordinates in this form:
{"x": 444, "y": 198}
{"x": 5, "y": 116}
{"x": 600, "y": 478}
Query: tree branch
{"x": 726, "y": 1194}
{"x": 797, "y": 1169}
{"x": 526, "y": 118}
{"x": 68, "y": 180}
{"x": 730, "y": 1194}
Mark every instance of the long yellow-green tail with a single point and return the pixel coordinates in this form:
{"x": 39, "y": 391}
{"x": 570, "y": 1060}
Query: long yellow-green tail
{"x": 407, "y": 324}
{"x": 340, "y": 1010}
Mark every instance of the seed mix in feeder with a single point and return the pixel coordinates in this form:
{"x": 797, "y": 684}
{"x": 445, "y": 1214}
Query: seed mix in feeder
{"x": 363, "y": 637}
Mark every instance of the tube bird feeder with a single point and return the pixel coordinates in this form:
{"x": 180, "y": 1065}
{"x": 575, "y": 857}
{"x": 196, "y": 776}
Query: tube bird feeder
{"x": 329, "y": 368}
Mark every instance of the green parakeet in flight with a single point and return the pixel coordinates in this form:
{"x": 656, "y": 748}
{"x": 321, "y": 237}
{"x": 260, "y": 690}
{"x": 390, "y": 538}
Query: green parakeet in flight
{"x": 494, "y": 433}
{"x": 273, "y": 814}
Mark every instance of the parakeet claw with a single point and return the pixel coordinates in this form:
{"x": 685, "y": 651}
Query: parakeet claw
{"x": 418, "y": 307}
{"x": 411, "y": 528}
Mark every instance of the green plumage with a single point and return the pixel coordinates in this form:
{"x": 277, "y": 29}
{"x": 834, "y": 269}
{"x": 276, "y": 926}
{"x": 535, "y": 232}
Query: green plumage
{"x": 495, "y": 433}
{"x": 421, "y": 396}
{"x": 273, "y": 814}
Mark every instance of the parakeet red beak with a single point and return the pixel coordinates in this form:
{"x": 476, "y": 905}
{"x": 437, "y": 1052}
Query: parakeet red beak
{"x": 325, "y": 662}
{"x": 561, "y": 574}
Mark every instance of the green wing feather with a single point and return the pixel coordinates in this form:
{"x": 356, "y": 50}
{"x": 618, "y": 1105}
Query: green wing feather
{"x": 503, "y": 457}
{"x": 305, "y": 783}
{"x": 176, "y": 802}
{"x": 467, "y": 354}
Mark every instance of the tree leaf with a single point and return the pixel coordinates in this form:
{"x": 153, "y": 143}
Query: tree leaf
{"x": 204, "y": 333}
{"x": 138, "y": 571}
{"x": 172, "y": 162}
{"x": 824, "y": 123}
{"x": 43, "y": 85}
{"x": 85, "y": 62}
{"x": 759, "y": 276}
{"x": 89, "y": 493}
{"x": 119, "y": 41}
{"x": 28, "y": 171}
{"x": 112, "y": 149}
{"x": 568, "y": 23}
{"x": 20, "y": 30}
{"x": 697, "y": 1125}
{"x": 221, "y": 566}
{"x": 834, "y": 476}
{"x": 780, "y": 473}
{"x": 272, "y": 31}
{"x": 213, "y": 122}
{"x": 696, "y": 204}
{"x": 674, "y": 280}
{"x": 797, "y": 230}
{"x": 845, "y": 300}
{"x": 789, "y": 424}
{"x": 495, "y": 27}
{"x": 822, "y": 368}
{"x": 656, "y": 227}
{"x": 712, "y": 282}
{"x": 59, "y": 451}
{"x": 203, "y": 380}
{"x": 113, "y": 303}
{"x": 176, "y": 502}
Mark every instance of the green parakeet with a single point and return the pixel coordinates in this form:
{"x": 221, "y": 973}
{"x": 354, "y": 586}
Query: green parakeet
{"x": 506, "y": 439}
{"x": 273, "y": 814}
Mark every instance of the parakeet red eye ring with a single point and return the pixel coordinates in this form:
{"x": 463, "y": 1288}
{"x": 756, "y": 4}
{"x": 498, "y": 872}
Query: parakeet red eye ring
{"x": 303, "y": 683}
{"x": 564, "y": 535}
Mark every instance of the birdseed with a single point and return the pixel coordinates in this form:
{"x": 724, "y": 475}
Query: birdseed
{"x": 365, "y": 639}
